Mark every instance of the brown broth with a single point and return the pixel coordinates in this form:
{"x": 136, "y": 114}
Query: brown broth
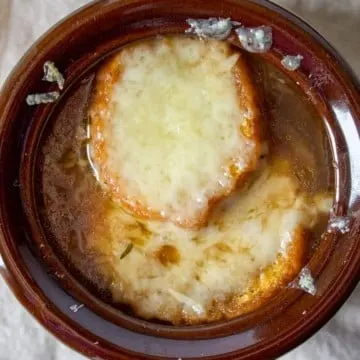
{"x": 73, "y": 202}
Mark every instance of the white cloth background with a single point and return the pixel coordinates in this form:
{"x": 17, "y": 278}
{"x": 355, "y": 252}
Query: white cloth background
{"x": 21, "y": 22}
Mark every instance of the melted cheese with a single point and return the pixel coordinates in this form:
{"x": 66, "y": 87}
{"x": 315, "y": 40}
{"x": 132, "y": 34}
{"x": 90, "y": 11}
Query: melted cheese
{"x": 169, "y": 140}
{"x": 253, "y": 244}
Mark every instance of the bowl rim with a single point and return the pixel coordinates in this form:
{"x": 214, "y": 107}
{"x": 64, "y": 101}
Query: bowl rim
{"x": 31, "y": 296}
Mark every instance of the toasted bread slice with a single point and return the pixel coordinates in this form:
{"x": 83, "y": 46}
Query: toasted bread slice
{"x": 254, "y": 244}
{"x": 175, "y": 127}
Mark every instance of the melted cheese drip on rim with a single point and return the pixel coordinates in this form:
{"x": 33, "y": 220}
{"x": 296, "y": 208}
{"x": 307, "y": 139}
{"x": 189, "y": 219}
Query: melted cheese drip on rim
{"x": 174, "y": 130}
{"x": 216, "y": 269}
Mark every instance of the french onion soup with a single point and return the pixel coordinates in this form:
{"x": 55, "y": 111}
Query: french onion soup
{"x": 185, "y": 180}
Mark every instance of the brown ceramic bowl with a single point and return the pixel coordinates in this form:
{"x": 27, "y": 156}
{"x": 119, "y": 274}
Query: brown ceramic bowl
{"x": 47, "y": 288}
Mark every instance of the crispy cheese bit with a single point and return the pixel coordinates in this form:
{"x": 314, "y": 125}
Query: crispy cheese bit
{"x": 291, "y": 63}
{"x": 214, "y": 28}
{"x": 305, "y": 282}
{"x": 45, "y": 98}
{"x": 256, "y": 39}
{"x": 52, "y": 74}
{"x": 75, "y": 308}
{"x": 339, "y": 224}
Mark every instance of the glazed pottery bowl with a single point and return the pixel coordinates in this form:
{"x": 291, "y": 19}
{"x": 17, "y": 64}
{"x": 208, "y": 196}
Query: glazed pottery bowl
{"x": 52, "y": 292}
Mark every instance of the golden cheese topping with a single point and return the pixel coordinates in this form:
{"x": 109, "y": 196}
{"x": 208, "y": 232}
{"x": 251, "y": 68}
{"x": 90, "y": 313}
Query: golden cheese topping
{"x": 174, "y": 127}
{"x": 254, "y": 243}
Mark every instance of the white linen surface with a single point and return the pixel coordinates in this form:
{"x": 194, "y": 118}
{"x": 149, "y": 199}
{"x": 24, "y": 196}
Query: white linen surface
{"x": 21, "y": 23}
